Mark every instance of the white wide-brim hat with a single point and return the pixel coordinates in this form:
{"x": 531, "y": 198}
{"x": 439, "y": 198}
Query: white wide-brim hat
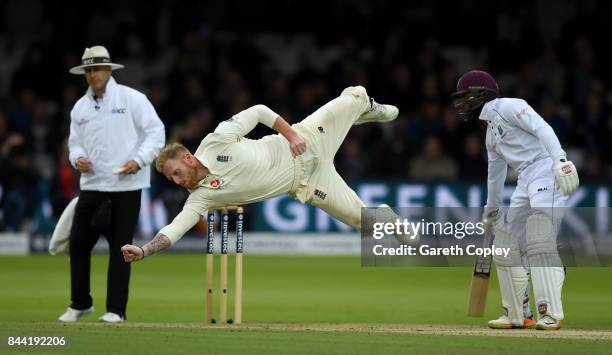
{"x": 92, "y": 57}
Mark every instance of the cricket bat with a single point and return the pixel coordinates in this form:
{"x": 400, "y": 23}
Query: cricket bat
{"x": 479, "y": 288}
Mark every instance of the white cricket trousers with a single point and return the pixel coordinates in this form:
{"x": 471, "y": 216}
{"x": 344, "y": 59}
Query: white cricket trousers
{"x": 324, "y": 131}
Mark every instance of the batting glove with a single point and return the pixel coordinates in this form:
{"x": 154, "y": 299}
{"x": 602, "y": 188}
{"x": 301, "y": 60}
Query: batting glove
{"x": 566, "y": 177}
{"x": 491, "y": 216}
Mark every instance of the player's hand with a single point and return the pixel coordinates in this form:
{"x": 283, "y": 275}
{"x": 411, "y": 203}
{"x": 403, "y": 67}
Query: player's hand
{"x": 131, "y": 167}
{"x": 491, "y": 216}
{"x": 132, "y": 253}
{"x": 566, "y": 177}
{"x": 297, "y": 145}
{"x": 83, "y": 165}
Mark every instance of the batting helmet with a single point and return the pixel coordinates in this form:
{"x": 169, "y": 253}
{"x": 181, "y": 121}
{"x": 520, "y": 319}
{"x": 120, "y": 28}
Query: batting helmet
{"x": 474, "y": 89}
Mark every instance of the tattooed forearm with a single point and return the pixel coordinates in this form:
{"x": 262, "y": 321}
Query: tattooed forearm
{"x": 159, "y": 243}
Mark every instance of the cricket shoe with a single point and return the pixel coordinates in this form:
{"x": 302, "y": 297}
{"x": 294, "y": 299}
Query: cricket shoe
{"x": 548, "y": 323}
{"x": 503, "y": 322}
{"x": 110, "y": 317}
{"x": 378, "y": 113}
{"x": 72, "y": 315}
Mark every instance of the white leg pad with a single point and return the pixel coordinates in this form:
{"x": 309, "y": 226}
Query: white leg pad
{"x": 547, "y": 272}
{"x": 511, "y": 275}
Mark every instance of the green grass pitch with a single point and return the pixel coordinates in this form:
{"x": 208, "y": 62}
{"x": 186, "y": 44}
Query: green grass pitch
{"x": 292, "y": 305}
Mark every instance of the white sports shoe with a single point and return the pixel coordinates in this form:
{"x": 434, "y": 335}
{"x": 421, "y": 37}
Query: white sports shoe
{"x": 548, "y": 323}
{"x": 378, "y": 113}
{"x": 503, "y": 322}
{"x": 110, "y": 317}
{"x": 72, "y": 315}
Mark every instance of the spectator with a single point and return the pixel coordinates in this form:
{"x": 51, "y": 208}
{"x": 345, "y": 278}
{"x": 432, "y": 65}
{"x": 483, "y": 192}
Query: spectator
{"x": 433, "y": 164}
{"x": 189, "y": 64}
{"x": 19, "y": 181}
{"x": 550, "y": 113}
{"x": 472, "y": 166}
{"x": 353, "y": 163}
{"x": 191, "y": 132}
{"x": 66, "y": 182}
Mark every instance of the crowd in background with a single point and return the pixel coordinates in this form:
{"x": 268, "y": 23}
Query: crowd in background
{"x": 200, "y": 63}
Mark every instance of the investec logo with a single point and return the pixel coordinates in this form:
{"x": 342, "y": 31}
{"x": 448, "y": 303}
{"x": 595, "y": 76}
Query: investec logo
{"x": 118, "y": 110}
{"x": 239, "y": 232}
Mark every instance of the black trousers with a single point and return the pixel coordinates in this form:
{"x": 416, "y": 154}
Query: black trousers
{"x": 125, "y": 207}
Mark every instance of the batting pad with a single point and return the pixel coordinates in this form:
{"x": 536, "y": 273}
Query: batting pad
{"x": 512, "y": 285}
{"x": 504, "y": 238}
{"x": 547, "y": 272}
{"x": 511, "y": 274}
{"x": 541, "y": 241}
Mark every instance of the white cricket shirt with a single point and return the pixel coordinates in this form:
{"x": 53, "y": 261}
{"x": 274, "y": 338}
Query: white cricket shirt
{"x": 516, "y": 136}
{"x": 242, "y": 170}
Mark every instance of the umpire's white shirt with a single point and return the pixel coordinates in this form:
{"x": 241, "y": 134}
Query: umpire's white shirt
{"x": 516, "y": 136}
{"x": 110, "y": 131}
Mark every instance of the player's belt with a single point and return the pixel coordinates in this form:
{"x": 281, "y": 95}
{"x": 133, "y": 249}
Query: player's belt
{"x": 532, "y": 163}
{"x": 302, "y": 171}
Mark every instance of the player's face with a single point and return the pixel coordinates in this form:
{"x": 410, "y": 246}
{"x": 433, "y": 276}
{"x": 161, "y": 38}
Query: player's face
{"x": 182, "y": 171}
{"x": 97, "y": 76}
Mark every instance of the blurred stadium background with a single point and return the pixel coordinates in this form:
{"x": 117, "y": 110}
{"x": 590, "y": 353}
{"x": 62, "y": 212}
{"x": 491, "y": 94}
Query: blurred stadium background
{"x": 201, "y": 62}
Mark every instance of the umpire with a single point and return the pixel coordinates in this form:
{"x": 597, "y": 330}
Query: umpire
{"x": 115, "y": 134}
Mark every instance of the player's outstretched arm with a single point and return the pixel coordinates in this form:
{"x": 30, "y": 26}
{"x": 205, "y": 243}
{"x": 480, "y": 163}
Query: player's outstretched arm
{"x": 136, "y": 253}
{"x": 168, "y": 235}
